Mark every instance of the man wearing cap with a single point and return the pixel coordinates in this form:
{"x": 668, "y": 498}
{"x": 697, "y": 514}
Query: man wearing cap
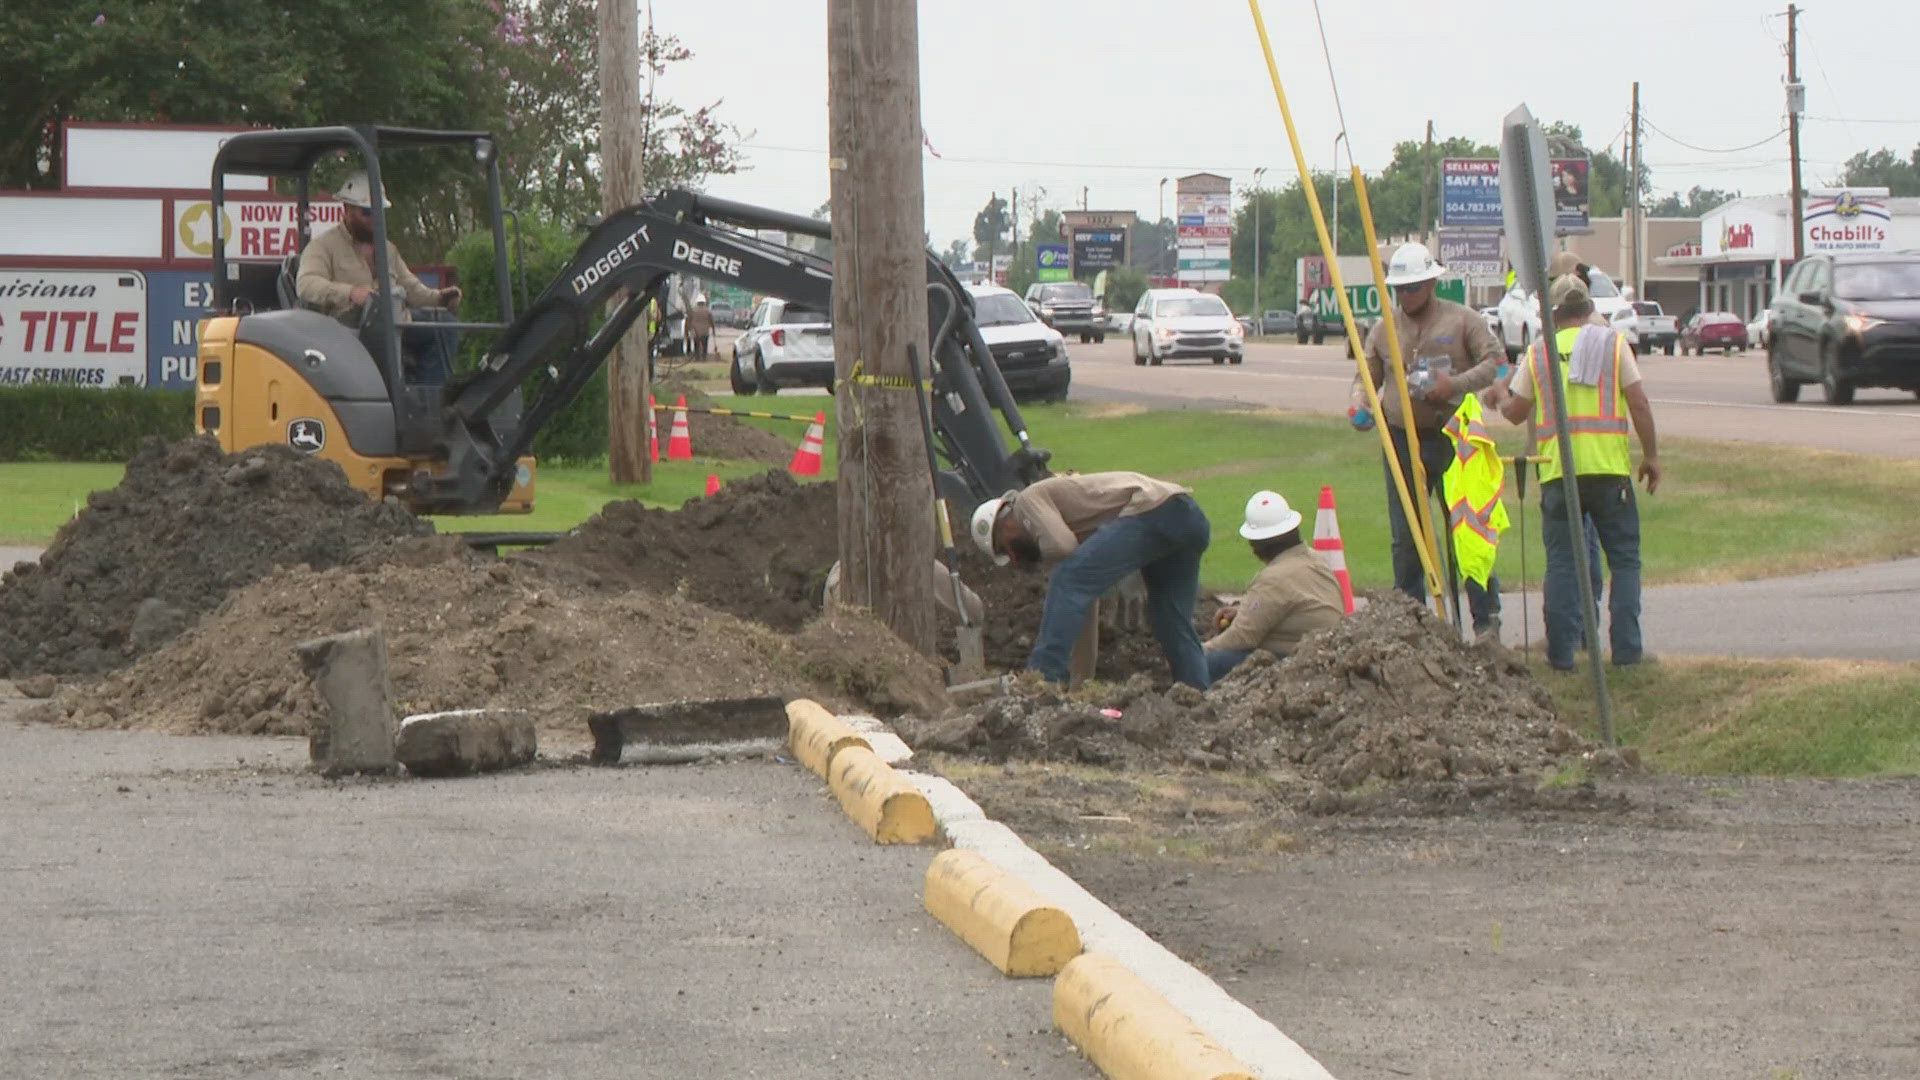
{"x": 1448, "y": 353}
{"x": 1098, "y": 528}
{"x": 699, "y": 328}
{"x": 1602, "y": 389}
{"x": 336, "y": 278}
{"x": 1294, "y": 594}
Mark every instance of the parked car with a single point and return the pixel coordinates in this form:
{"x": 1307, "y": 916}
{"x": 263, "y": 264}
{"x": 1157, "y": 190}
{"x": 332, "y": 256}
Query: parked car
{"x": 1520, "y": 311}
{"x": 1647, "y": 327}
{"x": 1119, "y": 322}
{"x": 1173, "y": 324}
{"x": 1721, "y": 330}
{"x": 722, "y": 311}
{"x": 1032, "y": 355}
{"x": 784, "y": 344}
{"x": 1278, "y": 321}
{"x": 1760, "y": 330}
{"x": 1847, "y": 321}
{"x": 1069, "y": 307}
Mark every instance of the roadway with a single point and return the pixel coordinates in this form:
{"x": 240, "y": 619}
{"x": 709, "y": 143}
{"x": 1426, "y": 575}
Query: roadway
{"x": 1714, "y": 397}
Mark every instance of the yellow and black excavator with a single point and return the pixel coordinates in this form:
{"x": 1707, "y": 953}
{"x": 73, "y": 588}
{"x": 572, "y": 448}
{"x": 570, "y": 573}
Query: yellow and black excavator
{"x": 272, "y": 371}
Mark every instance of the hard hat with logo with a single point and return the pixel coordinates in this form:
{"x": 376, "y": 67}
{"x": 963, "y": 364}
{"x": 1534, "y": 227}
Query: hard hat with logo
{"x": 984, "y": 516}
{"x": 355, "y": 192}
{"x": 1412, "y": 264}
{"x": 1268, "y": 516}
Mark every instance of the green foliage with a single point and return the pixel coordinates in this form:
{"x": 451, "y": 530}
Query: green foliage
{"x": 577, "y": 432}
{"x": 1697, "y": 201}
{"x": 67, "y": 423}
{"x": 1124, "y": 286}
{"x": 991, "y": 227}
{"x": 1884, "y": 168}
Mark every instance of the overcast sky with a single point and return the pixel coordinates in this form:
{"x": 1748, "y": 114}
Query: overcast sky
{"x": 1114, "y": 95}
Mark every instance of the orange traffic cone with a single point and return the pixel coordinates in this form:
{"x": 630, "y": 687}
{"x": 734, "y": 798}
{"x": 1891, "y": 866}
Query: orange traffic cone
{"x": 653, "y": 429}
{"x": 713, "y": 484}
{"x": 1326, "y": 541}
{"x": 806, "y": 460}
{"x": 680, "y": 439}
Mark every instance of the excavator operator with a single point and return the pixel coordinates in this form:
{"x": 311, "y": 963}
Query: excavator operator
{"x": 336, "y": 278}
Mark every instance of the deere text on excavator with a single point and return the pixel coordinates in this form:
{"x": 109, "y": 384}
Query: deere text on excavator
{"x": 272, "y": 371}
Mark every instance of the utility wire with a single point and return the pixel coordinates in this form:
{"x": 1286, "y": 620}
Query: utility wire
{"x": 1707, "y": 149}
{"x": 1338, "y": 111}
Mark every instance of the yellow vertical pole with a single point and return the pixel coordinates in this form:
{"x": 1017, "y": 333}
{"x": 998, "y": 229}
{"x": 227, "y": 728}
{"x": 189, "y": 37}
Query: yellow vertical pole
{"x": 1407, "y": 501}
{"x": 1423, "y": 525}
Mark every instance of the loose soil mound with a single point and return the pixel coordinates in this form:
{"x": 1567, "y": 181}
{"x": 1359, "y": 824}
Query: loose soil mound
{"x": 1390, "y": 695}
{"x": 464, "y": 632}
{"x": 1014, "y": 600}
{"x": 185, "y": 527}
{"x": 759, "y": 549}
{"x": 724, "y": 436}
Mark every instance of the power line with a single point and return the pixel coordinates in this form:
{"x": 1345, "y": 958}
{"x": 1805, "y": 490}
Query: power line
{"x": 1711, "y": 150}
{"x": 952, "y": 159}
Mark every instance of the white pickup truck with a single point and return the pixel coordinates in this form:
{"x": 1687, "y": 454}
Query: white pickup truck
{"x": 1647, "y": 327}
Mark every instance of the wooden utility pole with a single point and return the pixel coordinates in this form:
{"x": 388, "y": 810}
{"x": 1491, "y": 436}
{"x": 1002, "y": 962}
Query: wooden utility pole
{"x": 1426, "y": 187}
{"x": 623, "y": 170}
{"x": 1793, "y": 132}
{"x": 880, "y": 312}
{"x": 1635, "y": 272}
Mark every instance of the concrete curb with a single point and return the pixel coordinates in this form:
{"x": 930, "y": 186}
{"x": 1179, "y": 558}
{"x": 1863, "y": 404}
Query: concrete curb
{"x": 1129, "y": 1031}
{"x": 879, "y": 799}
{"x": 816, "y": 735}
{"x": 1243, "y": 1033}
{"x": 995, "y": 912}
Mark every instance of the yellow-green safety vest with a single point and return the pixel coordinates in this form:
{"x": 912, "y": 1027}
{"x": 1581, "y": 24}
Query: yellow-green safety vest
{"x": 1471, "y": 486}
{"x": 1596, "y": 415}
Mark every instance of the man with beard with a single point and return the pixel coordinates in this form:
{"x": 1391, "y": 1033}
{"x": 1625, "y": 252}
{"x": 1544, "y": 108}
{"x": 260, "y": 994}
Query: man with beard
{"x": 1098, "y": 528}
{"x": 336, "y": 278}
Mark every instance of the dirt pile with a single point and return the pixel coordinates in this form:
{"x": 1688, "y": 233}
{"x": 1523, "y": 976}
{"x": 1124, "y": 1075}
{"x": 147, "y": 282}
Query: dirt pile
{"x": 186, "y": 526}
{"x": 467, "y": 632}
{"x": 725, "y": 436}
{"x": 1014, "y": 600}
{"x": 759, "y": 549}
{"x": 1390, "y": 695}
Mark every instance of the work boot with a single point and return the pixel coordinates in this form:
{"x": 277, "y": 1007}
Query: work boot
{"x": 1489, "y": 630}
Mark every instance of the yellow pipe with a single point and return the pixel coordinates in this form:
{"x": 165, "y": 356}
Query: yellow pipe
{"x": 1346, "y": 307}
{"x": 1424, "y": 526}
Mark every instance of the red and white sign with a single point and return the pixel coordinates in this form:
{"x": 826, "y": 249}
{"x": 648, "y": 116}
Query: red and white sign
{"x": 1685, "y": 249}
{"x": 75, "y": 327}
{"x": 256, "y": 229}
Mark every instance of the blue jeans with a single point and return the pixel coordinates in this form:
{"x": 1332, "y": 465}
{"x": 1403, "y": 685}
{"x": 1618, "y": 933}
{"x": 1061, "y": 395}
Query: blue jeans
{"x": 1612, "y": 513}
{"x": 1221, "y": 661}
{"x": 1164, "y": 545}
{"x": 1436, "y": 453}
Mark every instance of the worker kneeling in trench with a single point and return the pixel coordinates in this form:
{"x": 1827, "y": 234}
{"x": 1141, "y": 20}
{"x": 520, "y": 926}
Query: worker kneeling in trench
{"x": 1294, "y": 594}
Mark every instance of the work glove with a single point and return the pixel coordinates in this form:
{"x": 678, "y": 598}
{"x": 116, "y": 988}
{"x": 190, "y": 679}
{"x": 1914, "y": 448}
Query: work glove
{"x": 1361, "y": 418}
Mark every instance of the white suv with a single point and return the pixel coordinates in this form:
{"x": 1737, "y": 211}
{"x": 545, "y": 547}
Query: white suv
{"x": 784, "y": 344}
{"x": 1174, "y": 324}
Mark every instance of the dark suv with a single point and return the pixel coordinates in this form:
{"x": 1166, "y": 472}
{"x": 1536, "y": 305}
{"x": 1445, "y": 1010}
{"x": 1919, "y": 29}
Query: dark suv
{"x": 1069, "y": 307}
{"x": 1847, "y": 321}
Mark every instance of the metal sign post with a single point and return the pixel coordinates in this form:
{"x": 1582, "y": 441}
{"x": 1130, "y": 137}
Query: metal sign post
{"x": 1527, "y": 203}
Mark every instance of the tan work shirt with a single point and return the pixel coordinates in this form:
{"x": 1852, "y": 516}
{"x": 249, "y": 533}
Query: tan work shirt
{"x": 1453, "y": 338}
{"x": 1061, "y": 511}
{"x": 700, "y": 320}
{"x": 1291, "y": 597}
{"x": 334, "y": 264}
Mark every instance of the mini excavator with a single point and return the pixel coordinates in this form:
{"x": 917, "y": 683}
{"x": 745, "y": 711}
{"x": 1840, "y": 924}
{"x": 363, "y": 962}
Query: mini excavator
{"x": 271, "y": 371}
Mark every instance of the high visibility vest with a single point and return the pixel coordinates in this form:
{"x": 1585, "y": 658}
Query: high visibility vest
{"x": 1596, "y": 415}
{"x": 1471, "y": 486}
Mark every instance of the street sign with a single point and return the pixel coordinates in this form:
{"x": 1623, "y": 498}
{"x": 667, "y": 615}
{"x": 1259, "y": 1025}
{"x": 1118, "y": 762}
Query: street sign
{"x": 1365, "y": 299}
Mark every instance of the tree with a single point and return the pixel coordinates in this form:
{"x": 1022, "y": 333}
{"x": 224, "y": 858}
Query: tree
{"x": 957, "y": 254}
{"x": 1154, "y": 249}
{"x": 1124, "y": 286}
{"x": 1697, "y": 201}
{"x": 990, "y": 228}
{"x": 1883, "y": 168}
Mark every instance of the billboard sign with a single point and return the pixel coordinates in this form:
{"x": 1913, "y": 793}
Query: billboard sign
{"x": 1204, "y": 203}
{"x": 1050, "y": 263}
{"x": 1847, "y": 219}
{"x": 257, "y": 230}
{"x": 1099, "y": 249}
{"x": 73, "y": 327}
{"x": 1475, "y": 253}
{"x": 1470, "y": 193}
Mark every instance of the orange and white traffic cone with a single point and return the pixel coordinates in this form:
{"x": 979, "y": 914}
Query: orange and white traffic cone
{"x": 1326, "y": 541}
{"x": 806, "y": 460}
{"x": 680, "y": 439}
{"x": 653, "y": 429}
{"x": 713, "y": 484}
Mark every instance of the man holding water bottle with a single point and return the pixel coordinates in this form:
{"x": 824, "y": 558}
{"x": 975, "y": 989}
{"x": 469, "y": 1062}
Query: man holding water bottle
{"x": 1449, "y": 352}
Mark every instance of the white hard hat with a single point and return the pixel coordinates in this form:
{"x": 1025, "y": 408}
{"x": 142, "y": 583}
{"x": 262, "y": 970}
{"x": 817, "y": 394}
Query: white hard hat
{"x": 1411, "y": 264}
{"x": 1268, "y": 516}
{"x": 984, "y": 516}
{"x": 355, "y": 193}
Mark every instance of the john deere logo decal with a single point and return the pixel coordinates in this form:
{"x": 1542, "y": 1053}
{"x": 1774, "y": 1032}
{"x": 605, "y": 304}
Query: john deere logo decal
{"x": 306, "y": 435}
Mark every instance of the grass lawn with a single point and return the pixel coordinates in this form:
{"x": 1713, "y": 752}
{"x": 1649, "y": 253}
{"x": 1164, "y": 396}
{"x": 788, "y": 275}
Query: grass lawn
{"x": 1726, "y": 511}
{"x": 1834, "y": 718}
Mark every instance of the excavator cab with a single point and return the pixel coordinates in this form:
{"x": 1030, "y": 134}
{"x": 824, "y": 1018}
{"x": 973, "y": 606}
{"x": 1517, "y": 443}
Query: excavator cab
{"x": 273, "y": 371}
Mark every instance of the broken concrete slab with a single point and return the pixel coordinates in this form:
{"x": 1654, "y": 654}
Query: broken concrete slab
{"x": 716, "y": 723}
{"x": 350, "y": 672}
{"x": 38, "y": 687}
{"x": 466, "y": 741}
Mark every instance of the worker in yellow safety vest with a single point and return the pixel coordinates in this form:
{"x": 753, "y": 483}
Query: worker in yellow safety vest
{"x": 1601, "y": 384}
{"x": 1471, "y": 488}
